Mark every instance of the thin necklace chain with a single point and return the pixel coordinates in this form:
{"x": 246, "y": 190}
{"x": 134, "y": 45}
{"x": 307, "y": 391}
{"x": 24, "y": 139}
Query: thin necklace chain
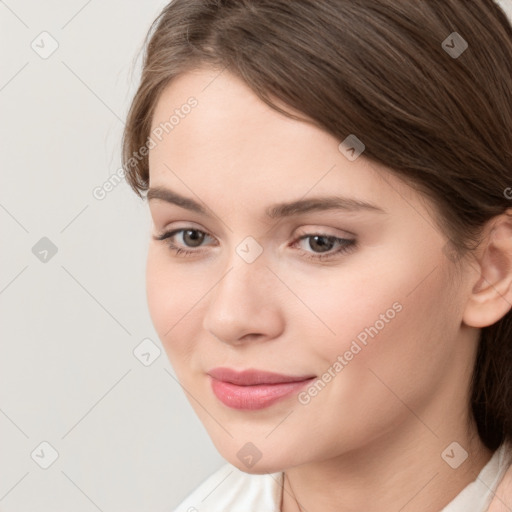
{"x": 291, "y": 489}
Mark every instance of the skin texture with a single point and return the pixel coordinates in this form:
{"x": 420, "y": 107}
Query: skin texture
{"x": 372, "y": 438}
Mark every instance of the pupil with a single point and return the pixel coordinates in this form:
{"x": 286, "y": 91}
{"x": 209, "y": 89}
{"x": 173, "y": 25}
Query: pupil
{"x": 322, "y": 246}
{"x": 196, "y": 240}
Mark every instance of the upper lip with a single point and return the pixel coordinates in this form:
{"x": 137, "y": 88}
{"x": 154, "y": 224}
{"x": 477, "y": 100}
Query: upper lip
{"x": 252, "y": 376}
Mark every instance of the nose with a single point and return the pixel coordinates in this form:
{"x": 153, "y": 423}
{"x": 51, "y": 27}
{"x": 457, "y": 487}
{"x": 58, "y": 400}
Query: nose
{"x": 243, "y": 305}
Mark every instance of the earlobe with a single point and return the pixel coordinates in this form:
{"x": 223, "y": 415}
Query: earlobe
{"x": 491, "y": 295}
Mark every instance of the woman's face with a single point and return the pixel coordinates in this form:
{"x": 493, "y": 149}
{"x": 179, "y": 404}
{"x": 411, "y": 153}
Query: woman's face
{"x": 352, "y": 303}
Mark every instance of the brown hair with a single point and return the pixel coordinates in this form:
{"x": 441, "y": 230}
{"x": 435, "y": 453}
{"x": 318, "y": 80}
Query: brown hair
{"x": 378, "y": 69}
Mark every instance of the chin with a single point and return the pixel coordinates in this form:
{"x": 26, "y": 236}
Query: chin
{"x": 260, "y": 468}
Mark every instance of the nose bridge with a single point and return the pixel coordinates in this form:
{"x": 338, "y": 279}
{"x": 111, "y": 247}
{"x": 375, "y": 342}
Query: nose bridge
{"x": 243, "y": 283}
{"x": 240, "y": 302}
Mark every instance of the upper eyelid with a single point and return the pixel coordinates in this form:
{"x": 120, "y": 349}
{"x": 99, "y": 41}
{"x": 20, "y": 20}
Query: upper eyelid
{"x": 309, "y": 231}
{"x": 170, "y": 233}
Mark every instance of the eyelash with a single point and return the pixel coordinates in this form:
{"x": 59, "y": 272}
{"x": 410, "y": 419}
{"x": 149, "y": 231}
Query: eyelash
{"x": 347, "y": 244}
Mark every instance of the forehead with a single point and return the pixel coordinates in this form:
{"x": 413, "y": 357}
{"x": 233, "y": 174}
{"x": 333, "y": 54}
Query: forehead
{"x": 228, "y": 113}
{"x": 233, "y": 145}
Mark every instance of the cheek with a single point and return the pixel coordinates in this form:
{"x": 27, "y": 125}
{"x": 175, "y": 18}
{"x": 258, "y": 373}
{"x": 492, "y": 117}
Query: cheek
{"x": 340, "y": 305}
{"x": 160, "y": 299}
{"x": 172, "y": 299}
{"x": 403, "y": 361}
{"x": 382, "y": 317}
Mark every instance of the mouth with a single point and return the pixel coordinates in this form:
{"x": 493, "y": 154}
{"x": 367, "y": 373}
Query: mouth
{"x": 254, "y": 389}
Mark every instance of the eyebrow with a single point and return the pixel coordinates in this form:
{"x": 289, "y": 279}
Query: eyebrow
{"x": 274, "y": 211}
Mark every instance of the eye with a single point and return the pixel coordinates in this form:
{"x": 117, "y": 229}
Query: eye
{"x": 322, "y": 245}
{"x": 191, "y": 238}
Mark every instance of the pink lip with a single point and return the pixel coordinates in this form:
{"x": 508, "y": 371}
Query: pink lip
{"x": 253, "y": 389}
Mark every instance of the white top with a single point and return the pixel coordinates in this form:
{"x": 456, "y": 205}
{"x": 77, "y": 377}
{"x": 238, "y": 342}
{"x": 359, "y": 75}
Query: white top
{"x": 232, "y": 490}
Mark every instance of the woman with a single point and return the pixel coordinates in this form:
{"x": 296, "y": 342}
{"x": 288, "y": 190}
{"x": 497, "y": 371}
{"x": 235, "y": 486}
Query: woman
{"x": 330, "y": 268}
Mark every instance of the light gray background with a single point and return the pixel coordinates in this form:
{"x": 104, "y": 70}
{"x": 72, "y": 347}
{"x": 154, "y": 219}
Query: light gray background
{"x": 127, "y": 438}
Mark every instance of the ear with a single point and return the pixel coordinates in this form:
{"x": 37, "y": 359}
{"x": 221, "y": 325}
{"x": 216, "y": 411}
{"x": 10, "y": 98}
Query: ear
{"x": 491, "y": 296}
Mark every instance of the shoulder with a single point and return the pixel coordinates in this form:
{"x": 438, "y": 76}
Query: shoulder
{"x": 232, "y": 490}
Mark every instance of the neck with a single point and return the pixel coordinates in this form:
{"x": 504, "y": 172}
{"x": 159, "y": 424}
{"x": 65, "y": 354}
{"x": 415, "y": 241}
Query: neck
{"x": 402, "y": 470}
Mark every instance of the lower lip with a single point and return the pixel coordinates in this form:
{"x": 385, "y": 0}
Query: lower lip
{"x": 254, "y": 397}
